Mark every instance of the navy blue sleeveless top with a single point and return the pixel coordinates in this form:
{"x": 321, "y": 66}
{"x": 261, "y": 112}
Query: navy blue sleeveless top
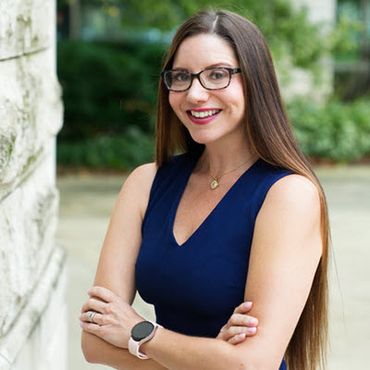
{"x": 196, "y": 286}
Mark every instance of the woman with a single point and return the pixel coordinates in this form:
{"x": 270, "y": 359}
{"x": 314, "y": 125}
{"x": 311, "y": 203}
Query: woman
{"x": 239, "y": 216}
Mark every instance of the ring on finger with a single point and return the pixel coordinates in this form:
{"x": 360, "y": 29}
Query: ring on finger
{"x": 90, "y": 316}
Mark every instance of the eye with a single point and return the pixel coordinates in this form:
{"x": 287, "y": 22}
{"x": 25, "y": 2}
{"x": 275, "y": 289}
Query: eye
{"x": 180, "y": 76}
{"x": 217, "y": 74}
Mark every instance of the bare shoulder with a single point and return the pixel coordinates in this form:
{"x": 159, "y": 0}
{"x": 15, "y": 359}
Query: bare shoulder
{"x": 295, "y": 192}
{"x": 293, "y": 202}
{"x": 142, "y": 174}
{"x": 138, "y": 184}
{"x": 292, "y": 208}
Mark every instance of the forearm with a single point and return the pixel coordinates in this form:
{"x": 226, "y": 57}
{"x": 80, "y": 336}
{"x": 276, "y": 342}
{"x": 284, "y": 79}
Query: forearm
{"x": 180, "y": 352}
{"x": 96, "y": 350}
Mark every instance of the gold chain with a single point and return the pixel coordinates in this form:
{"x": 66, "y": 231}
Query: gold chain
{"x": 215, "y": 183}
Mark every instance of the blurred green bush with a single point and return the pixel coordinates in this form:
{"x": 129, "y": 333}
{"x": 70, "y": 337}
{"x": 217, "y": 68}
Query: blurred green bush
{"x": 121, "y": 152}
{"x": 108, "y": 87}
{"x": 109, "y": 91}
{"x": 334, "y": 131}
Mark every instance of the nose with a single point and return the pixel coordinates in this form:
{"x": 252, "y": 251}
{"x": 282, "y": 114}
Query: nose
{"x": 197, "y": 93}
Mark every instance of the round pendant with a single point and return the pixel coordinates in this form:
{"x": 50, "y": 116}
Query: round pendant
{"x": 214, "y": 184}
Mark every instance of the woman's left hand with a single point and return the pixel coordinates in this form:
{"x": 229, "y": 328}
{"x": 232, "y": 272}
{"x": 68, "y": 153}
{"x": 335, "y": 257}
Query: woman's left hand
{"x": 239, "y": 326}
{"x": 108, "y": 316}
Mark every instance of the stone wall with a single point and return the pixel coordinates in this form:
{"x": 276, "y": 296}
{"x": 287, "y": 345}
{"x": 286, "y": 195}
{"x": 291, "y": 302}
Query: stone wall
{"x": 32, "y": 268}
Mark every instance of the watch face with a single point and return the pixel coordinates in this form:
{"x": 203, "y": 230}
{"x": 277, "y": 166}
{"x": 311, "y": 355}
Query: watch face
{"x": 142, "y": 330}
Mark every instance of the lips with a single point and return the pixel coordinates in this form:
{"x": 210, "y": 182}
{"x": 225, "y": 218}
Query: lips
{"x": 202, "y": 116}
{"x": 204, "y": 113}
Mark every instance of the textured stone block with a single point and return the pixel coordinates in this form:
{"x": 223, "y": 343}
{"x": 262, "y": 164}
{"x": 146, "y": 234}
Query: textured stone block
{"x": 30, "y": 114}
{"x": 25, "y": 26}
{"x": 28, "y": 218}
{"x": 37, "y": 339}
{"x": 32, "y": 268}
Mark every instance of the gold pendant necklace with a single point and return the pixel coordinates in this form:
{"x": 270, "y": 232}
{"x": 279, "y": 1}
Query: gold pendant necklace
{"x": 215, "y": 183}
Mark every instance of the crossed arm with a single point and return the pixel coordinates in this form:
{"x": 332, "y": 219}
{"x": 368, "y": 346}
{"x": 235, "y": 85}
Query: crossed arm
{"x": 286, "y": 244}
{"x": 102, "y": 351}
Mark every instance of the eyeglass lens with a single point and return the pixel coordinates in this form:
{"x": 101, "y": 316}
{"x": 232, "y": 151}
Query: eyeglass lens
{"x": 215, "y": 78}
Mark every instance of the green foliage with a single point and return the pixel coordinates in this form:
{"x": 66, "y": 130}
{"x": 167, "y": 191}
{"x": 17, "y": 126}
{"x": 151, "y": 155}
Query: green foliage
{"x": 287, "y": 30}
{"x": 351, "y": 33}
{"x": 108, "y": 88}
{"x": 109, "y": 92}
{"x": 335, "y": 131}
{"x": 344, "y": 38}
{"x": 122, "y": 152}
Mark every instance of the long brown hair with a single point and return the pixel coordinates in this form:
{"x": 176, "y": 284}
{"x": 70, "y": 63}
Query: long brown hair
{"x": 271, "y": 138}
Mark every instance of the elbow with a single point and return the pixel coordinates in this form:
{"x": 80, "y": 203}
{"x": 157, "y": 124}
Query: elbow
{"x": 87, "y": 348}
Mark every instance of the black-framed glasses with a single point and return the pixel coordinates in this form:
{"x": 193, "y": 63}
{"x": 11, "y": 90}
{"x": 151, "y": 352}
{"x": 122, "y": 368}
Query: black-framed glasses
{"x": 215, "y": 78}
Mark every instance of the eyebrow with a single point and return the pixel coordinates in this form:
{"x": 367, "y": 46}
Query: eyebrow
{"x": 222, "y": 64}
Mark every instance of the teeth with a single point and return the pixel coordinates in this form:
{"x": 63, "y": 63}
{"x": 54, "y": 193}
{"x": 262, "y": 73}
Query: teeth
{"x": 204, "y": 114}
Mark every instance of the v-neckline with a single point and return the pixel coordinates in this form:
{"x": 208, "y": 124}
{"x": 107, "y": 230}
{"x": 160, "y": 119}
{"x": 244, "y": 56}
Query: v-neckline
{"x": 181, "y": 192}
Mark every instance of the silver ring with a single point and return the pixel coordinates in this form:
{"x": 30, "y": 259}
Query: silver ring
{"x": 91, "y": 315}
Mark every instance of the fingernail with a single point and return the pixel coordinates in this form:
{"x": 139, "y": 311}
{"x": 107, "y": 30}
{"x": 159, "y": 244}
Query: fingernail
{"x": 253, "y": 321}
{"x": 247, "y": 304}
{"x": 251, "y": 330}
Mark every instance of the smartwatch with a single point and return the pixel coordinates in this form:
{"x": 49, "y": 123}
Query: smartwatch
{"x": 141, "y": 333}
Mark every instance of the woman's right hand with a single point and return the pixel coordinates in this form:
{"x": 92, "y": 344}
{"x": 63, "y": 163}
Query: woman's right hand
{"x": 240, "y": 325}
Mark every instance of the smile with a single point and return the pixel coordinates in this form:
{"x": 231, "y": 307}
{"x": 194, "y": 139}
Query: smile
{"x": 203, "y": 117}
{"x": 205, "y": 113}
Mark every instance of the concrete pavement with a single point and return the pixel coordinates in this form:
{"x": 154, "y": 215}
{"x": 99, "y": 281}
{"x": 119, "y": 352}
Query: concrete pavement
{"x": 86, "y": 202}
